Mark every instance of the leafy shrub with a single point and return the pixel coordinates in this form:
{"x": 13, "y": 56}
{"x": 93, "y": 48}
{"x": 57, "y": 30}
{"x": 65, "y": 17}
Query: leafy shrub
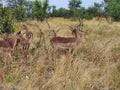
{"x": 6, "y": 24}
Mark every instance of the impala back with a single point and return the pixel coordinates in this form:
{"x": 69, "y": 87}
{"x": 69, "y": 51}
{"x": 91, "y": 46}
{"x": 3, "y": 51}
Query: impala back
{"x": 5, "y": 47}
{"x": 62, "y": 42}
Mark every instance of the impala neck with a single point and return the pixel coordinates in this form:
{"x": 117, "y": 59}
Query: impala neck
{"x": 76, "y": 35}
{"x": 26, "y": 30}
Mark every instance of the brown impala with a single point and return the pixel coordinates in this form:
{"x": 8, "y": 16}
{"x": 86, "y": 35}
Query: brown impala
{"x": 8, "y": 44}
{"x": 65, "y": 42}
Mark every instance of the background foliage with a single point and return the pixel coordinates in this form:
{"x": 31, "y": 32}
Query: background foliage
{"x": 22, "y": 10}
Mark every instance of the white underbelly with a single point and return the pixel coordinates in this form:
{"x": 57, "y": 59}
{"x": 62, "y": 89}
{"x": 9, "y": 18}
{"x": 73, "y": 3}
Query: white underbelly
{"x": 66, "y": 46}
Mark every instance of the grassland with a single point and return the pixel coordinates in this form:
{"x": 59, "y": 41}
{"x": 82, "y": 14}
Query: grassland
{"x": 95, "y": 65}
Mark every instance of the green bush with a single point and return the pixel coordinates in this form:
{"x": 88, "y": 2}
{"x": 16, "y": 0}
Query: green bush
{"x": 6, "y": 24}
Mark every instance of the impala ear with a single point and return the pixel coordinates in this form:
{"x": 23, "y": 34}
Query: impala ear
{"x": 24, "y": 26}
{"x": 74, "y": 31}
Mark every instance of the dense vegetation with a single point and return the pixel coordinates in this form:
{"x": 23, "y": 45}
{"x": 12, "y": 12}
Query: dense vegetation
{"x": 95, "y": 65}
{"x": 22, "y": 10}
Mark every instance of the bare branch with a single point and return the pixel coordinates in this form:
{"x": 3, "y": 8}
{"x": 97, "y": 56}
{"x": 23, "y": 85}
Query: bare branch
{"x": 38, "y": 27}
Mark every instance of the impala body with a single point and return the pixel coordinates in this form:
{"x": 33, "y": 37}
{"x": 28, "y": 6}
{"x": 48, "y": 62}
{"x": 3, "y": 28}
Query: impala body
{"x": 5, "y": 47}
{"x": 8, "y": 44}
{"x": 64, "y": 42}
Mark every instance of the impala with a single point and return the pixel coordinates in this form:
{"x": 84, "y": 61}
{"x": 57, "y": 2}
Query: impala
{"x": 58, "y": 42}
{"x": 20, "y": 44}
{"x": 8, "y": 43}
{"x": 7, "y": 47}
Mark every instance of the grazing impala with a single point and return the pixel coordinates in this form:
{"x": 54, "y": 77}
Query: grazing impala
{"x": 7, "y": 47}
{"x": 19, "y": 44}
{"x": 8, "y": 44}
{"x": 64, "y": 42}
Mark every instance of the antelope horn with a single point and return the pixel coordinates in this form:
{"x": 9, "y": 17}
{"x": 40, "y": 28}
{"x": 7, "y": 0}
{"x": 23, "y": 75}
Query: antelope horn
{"x": 71, "y": 28}
{"x": 57, "y": 30}
{"x": 81, "y": 22}
{"x": 25, "y": 26}
{"x": 38, "y": 27}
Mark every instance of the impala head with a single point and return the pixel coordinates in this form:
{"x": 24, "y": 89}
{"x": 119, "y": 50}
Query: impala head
{"x": 78, "y": 29}
{"x": 78, "y": 33}
{"x": 52, "y": 33}
{"x": 19, "y": 34}
{"x": 25, "y": 27}
{"x": 28, "y": 34}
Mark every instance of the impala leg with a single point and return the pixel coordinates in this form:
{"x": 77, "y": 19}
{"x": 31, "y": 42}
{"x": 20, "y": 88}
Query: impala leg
{"x": 52, "y": 55}
{"x": 5, "y": 64}
{"x": 25, "y": 53}
{"x": 32, "y": 36}
{"x": 6, "y": 60}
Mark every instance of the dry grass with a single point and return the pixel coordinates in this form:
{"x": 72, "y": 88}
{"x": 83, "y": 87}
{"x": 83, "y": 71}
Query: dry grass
{"x": 95, "y": 65}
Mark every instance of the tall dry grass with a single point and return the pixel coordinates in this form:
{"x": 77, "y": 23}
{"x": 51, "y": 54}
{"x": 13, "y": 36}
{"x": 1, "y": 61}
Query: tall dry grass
{"x": 95, "y": 65}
